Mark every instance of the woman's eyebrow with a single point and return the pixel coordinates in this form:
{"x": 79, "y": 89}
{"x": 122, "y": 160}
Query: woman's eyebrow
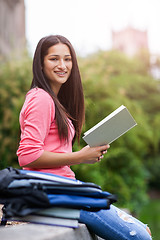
{"x": 56, "y": 55}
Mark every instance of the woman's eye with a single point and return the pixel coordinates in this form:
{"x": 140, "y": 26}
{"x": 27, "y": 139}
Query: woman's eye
{"x": 54, "y": 59}
{"x": 68, "y": 59}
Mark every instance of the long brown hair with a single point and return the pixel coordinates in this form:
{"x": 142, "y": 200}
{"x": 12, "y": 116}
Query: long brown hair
{"x": 70, "y": 99}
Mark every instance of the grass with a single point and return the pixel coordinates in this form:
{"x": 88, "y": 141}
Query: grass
{"x": 150, "y": 214}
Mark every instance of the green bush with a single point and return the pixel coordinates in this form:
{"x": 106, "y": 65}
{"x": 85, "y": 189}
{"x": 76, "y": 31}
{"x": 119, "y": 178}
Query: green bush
{"x": 15, "y": 78}
{"x": 132, "y": 162}
{"x": 149, "y": 215}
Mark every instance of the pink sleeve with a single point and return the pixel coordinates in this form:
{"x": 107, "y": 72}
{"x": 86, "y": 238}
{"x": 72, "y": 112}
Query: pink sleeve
{"x": 37, "y": 114}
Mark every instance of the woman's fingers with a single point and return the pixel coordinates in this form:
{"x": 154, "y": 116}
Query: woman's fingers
{"x": 93, "y": 154}
{"x": 103, "y": 152}
{"x": 105, "y": 147}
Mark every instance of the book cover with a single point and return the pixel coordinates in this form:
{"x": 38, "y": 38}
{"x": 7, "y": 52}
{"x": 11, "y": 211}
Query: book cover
{"x": 110, "y": 128}
{"x": 60, "y": 212}
{"x": 54, "y": 221}
{"x": 51, "y": 177}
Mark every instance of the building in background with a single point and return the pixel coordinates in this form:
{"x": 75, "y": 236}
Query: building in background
{"x": 130, "y": 41}
{"x": 12, "y": 28}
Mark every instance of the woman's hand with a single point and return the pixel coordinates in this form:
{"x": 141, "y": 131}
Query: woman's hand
{"x": 92, "y": 154}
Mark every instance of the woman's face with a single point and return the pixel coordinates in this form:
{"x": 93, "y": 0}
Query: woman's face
{"x": 57, "y": 65}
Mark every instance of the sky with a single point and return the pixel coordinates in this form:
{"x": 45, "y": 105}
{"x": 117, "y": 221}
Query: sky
{"x": 88, "y": 24}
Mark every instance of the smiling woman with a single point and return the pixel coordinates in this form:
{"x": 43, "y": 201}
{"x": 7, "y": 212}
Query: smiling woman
{"x": 57, "y": 66}
{"x": 53, "y": 113}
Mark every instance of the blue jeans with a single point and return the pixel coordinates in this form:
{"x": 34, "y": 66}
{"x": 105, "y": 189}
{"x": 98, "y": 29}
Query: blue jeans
{"x": 114, "y": 224}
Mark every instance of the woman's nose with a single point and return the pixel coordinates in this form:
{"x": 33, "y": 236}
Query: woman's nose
{"x": 61, "y": 64}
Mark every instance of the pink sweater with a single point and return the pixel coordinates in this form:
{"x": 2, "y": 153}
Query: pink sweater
{"x": 39, "y": 132}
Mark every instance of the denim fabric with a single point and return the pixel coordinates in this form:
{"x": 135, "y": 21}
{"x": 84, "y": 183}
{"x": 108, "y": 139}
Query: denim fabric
{"x": 114, "y": 224}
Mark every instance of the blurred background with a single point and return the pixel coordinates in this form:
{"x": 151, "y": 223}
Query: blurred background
{"x": 118, "y": 49}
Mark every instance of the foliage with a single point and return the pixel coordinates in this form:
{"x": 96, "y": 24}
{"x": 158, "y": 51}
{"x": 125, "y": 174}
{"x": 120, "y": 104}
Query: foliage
{"x": 149, "y": 214}
{"x": 15, "y": 77}
{"x": 110, "y": 79}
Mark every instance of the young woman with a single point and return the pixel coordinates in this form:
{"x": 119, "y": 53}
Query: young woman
{"x": 51, "y": 119}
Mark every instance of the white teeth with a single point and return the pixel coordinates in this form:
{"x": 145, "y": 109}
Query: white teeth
{"x": 60, "y": 73}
